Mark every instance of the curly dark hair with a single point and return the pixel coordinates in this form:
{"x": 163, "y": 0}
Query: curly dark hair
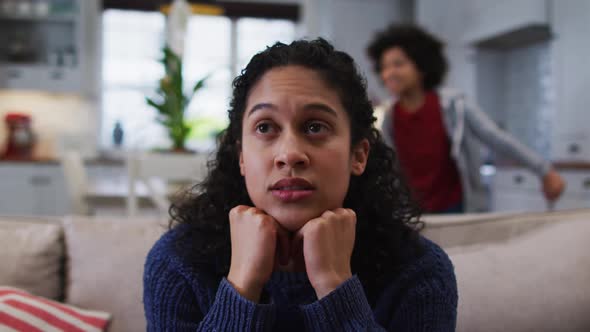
{"x": 387, "y": 218}
{"x": 424, "y": 49}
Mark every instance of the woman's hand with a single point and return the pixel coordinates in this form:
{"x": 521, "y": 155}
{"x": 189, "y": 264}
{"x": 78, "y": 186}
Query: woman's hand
{"x": 553, "y": 185}
{"x": 254, "y": 239}
{"x": 327, "y": 243}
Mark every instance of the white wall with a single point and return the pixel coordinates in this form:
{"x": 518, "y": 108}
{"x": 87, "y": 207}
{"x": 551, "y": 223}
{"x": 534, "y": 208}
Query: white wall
{"x": 447, "y": 19}
{"x": 351, "y": 24}
{"x": 54, "y": 116}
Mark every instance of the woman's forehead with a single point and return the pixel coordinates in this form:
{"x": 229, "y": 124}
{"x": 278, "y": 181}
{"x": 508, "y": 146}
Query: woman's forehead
{"x": 295, "y": 87}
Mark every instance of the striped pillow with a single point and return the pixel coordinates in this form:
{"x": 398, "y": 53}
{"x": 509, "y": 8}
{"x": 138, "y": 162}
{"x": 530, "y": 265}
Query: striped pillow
{"x": 21, "y": 311}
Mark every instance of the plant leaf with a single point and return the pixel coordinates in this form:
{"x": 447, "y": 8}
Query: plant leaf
{"x": 201, "y": 83}
{"x": 154, "y": 104}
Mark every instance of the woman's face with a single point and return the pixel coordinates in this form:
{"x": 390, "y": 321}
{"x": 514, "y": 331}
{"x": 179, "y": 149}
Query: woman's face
{"x": 398, "y": 72}
{"x": 295, "y": 150}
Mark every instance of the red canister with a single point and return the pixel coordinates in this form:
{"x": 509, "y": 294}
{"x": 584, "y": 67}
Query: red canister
{"x": 20, "y": 137}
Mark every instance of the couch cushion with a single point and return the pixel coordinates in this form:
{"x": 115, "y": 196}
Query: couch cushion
{"x": 535, "y": 282}
{"x": 450, "y": 231}
{"x": 32, "y": 255}
{"x": 105, "y": 259}
{"x": 21, "y": 311}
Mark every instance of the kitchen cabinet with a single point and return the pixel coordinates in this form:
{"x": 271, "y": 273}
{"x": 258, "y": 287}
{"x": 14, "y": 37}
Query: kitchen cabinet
{"x": 571, "y": 51}
{"x": 29, "y": 189}
{"x": 50, "y": 45}
{"x": 512, "y": 21}
{"x": 517, "y": 189}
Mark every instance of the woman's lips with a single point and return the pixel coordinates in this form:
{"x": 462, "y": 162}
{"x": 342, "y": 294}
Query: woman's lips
{"x": 291, "y": 195}
{"x": 292, "y": 189}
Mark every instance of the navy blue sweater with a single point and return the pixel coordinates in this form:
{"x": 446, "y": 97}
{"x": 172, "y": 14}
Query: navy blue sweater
{"x": 180, "y": 297}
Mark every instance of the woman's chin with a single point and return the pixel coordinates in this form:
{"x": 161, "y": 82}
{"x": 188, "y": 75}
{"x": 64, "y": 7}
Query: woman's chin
{"x": 291, "y": 220}
{"x": 292, "y": 224}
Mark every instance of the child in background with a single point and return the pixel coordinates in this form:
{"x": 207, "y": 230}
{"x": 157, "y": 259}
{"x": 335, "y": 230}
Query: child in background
{"x": 436, "y": 132}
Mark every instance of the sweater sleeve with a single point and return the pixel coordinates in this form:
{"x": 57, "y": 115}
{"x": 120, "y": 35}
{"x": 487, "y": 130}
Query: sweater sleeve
{"x": 171, "y": 304}
{"x": 488, "y": 132}
{"x": 344, "y": 309}
{"x": 427, "y": 306}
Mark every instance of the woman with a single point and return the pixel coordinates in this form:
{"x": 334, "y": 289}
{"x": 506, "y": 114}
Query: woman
{"x": 303, "y": 222}
{"x": 437, "y": 131}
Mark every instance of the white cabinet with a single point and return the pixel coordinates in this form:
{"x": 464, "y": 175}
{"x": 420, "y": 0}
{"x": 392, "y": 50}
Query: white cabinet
{"x": 516, "y": 189}
{"x": 491, "y": 19}
{"x": 28, "y": 189}
{"x": 55, "y": 50}
{"x": 571, "y": 51}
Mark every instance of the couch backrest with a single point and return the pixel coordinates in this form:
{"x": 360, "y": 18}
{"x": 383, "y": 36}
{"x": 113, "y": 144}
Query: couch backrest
{"x": 31, "y": 253}
{"x": 536, "y": 281}
{"x": 515, "y": 272}
{"x": 104, "y": 265}
{"x": 488, "y": 228}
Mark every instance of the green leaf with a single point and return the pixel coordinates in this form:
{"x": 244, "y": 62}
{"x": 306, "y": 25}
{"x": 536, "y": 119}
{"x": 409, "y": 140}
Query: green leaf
{"x": 201, "y": 83}
{"x": 154, "y": 104}
{"x": 173, "y": 99}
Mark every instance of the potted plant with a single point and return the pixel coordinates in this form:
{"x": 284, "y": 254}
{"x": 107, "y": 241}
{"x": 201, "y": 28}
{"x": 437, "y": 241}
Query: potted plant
{"x": 173, "y": 101}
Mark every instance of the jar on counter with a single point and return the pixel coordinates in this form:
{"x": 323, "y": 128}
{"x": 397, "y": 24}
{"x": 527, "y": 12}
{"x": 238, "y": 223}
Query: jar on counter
{"x": 21, "y": 138}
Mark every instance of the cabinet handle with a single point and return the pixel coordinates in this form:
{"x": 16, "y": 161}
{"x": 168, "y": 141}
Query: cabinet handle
{"x": 574, "y": 148}
{"x": 518, "y": 179}
{"x": 40, "y": 180}
{"x": 13, "y": 74}
{"x": 57, "y": 75}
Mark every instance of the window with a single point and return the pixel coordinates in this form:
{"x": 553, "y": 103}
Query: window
{"x": 132, "y": 43}
{"x": 255, "y": 34}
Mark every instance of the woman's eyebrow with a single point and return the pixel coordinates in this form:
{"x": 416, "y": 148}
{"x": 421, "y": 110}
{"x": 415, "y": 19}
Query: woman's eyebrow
{"x": 261, "y": 106}
{"x": 307, "y": 107}
{"x": 320, "y": 107}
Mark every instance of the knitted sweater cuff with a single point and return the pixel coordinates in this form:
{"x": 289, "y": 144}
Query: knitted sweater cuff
{"x": 344, "y": 309}
{"x": 233, "y": 312}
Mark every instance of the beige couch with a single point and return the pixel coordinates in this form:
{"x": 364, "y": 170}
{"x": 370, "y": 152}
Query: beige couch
{"x": 527, "y": 272}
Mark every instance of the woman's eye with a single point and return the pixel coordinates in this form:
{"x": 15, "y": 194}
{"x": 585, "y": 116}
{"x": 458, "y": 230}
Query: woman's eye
{"x": 315, "y": 128}
{"x": 264, "y": 128}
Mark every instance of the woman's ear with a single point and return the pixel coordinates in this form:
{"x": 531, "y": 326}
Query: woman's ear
{"x": 242, "y": 171}
{"x": 360, "y": 155}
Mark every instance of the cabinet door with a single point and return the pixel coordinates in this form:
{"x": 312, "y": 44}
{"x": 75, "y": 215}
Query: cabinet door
{"x": 571, "y": 52}
{"x": 44, "y": 197}
{"x": 62, "y": 50}
{"x": 517, "y": 190}
{"x": 48, "y": 190}
{"x": 577, "y": 194}
{"x": 14, "y": 77}
{"x": 572, "y": 146}
{"x": 15, "y": 192}
{"x": 517, "y": 201}
{"x": 39, "y": 77}
{"x": 32, "y": 190}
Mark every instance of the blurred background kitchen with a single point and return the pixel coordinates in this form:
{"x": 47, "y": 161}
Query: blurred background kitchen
{"x": 82, "y": 84}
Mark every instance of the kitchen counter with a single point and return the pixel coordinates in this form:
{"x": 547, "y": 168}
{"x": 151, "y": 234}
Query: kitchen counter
{"x": 96, "y": 161}
{"x": 560, "y": 165}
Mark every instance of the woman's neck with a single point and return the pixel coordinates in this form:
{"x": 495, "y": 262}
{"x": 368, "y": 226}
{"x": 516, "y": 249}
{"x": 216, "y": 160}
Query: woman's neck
{"x": 412, "y": 100}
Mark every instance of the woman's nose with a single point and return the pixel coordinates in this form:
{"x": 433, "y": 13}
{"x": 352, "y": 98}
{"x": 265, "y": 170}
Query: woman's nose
{"x": 291, "y": 153}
